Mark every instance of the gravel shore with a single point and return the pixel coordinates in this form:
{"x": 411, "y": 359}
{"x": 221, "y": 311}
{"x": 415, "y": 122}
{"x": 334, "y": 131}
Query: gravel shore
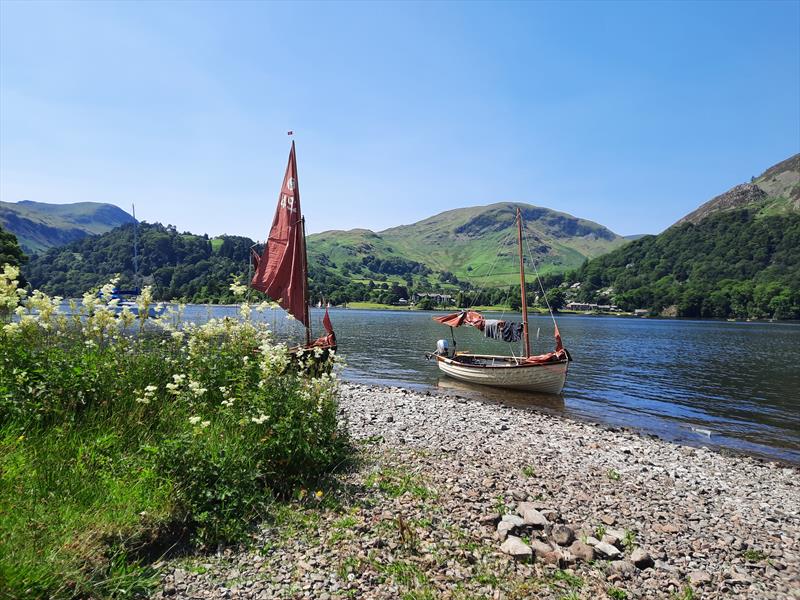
{"x": 455, "y": 498}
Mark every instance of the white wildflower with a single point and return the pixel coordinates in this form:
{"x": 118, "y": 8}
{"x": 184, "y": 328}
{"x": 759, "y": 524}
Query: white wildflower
{"x": 194, "y": 420}
{"x": 238, "y": 289}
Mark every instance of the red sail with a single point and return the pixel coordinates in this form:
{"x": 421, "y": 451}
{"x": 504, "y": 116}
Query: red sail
{"x": 280, "y": 272}
{"x": 465, "y": 317}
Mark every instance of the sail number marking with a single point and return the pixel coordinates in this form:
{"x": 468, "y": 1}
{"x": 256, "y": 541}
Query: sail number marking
{"x": 287, "y": 202}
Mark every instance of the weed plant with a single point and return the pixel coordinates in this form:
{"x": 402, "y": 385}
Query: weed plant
{"x": 123, "y": 435}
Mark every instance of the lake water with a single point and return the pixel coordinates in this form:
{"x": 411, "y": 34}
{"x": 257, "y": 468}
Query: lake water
{"x": 734, "y": 385}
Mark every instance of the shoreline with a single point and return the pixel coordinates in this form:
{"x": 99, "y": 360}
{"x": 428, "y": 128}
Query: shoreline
{"x": 423, "y": 514}
{"x": 459, "y": 393}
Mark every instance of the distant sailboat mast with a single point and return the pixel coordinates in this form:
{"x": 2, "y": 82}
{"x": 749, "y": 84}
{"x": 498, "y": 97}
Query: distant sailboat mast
{"x": 135, "y": 248}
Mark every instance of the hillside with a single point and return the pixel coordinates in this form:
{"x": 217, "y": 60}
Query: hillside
{"x": 448, "y": 253}
{"x": 738, "y": 255}
{"x": 39, "y": 225}
{"x": 776, "y": 191}
{"x": 465, "y": 243}
{"x": 177, "y": 265}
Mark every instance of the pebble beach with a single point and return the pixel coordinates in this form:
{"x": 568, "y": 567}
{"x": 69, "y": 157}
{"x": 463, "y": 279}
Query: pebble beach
{"x": 455, "y": 498}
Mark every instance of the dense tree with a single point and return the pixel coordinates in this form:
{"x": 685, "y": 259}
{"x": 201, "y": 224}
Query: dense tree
{"x": 11, "y": 253}
{"x": 731, "y": 264}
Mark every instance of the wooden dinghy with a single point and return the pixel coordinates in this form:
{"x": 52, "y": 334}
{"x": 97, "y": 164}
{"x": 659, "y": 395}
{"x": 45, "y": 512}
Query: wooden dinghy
{"x": 545, "y": 373}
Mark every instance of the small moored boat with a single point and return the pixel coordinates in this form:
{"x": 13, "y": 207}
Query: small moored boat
{"x": 544, "y": 373}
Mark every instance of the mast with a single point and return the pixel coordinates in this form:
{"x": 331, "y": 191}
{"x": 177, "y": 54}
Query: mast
{"x": 522, "y": 286}
{"x": 135, "y": 248}
{"x": 303, "y": 253}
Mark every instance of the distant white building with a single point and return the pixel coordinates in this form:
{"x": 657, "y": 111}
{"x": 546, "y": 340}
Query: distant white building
{"x": 588, "y": 307}
{"x": 443, "y": 299}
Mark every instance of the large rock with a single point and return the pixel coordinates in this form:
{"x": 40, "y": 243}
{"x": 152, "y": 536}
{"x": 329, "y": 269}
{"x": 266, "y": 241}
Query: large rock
{"x": 541, "y": 548}
{"x": 582, "y": 551}
{"x": 523, "y": 506}
{"x": 562, "y": 535}
{"x": 534, "y": 518}
{"x": 516, "y": 548}
{"x": 515, "y": 520}
{"x": 622, "y": 567}
{"x": 699, "y": 577}
{"x": 606, "y": 550}
{"x": 504, "y": 528}
{"x": 641, "y": 558}
{"x": 610, "y": 538}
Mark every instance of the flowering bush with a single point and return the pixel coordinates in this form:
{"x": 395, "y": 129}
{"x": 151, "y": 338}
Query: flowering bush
{"x": 148, "y": 423}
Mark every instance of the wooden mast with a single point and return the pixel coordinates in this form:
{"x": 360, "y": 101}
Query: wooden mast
{"x": 522, "y": 286}
{"x": 304, "y": 253}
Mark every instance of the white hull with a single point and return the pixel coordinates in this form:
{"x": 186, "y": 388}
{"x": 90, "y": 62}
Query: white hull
{"x": 547, "y": 378}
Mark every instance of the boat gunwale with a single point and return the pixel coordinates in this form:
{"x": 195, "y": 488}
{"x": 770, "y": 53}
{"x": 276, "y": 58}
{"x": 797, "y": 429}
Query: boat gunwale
{"x": 509, "y": 359}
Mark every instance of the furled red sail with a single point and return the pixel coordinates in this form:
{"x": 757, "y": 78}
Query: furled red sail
{"x": 280, "y": 270}
{"x": 465, "y": 317}
{"x": 330, "y": 338}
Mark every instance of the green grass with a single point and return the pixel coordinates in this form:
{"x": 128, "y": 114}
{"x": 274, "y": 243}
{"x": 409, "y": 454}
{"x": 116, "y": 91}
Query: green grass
{"x": 753, "y": 555}
{"x": 395, "y": 483}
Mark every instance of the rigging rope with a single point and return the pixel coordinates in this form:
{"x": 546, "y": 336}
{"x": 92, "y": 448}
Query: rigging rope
{"x": 491, "y": 269}
{"x": 538, "y": 278}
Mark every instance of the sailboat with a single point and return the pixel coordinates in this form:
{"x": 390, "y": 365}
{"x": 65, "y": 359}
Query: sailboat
{"x": 281, "y": 271}
{"x": 544, "y": 373}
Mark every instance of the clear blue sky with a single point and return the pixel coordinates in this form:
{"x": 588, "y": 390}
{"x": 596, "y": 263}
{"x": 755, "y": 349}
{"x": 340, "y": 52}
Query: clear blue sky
{"x": 629, "y": 114}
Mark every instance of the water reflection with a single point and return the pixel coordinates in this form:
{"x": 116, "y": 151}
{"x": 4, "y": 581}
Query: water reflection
{"x": 516, "y": 398}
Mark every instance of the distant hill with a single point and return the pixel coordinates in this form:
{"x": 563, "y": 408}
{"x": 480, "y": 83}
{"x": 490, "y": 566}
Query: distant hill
{"x": 468, "y": 243}
{"x": 177, "y": 265}
{"x": 39, "y": 225}
{"x": 738, "y": 255}
{"x": 446, "y": 253}
{"x": 776, "y": 191}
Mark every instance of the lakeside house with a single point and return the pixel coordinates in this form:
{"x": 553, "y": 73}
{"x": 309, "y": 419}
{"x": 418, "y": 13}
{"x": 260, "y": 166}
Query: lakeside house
{"x": 588, "y": 307}
{"x": 436, "y": 298}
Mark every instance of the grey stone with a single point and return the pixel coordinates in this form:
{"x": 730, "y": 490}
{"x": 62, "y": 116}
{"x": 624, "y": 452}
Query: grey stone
{"x": 515, "y": 520}
{"x": 582, "y": 551}
{"x": 562, "y": 535}
{"x": 516, "y": 548}
{"x": 641, "y": 558}
{"x": 540, "y": 548}
{"x": 504, "y": 528}
{"x": 699, "y": 577}
{"x": 622, "y": 567}
{"x": 607, "y": 550}
{"x": 534, "y": 518}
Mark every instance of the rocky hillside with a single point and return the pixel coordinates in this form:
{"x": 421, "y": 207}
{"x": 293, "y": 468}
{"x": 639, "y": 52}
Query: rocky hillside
{"x": 776, "y": 191}
{"x": 39, "y": 225}
{"x": 738, "y": 256}
{"x": 466, "y": 242}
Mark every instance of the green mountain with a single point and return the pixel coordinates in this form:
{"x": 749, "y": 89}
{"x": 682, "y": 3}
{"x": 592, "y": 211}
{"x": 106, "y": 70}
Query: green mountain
{"x": 39, "y": 226}
{"x": 774, "y": 192}
{"x": 736, "y": 256}
{"x": 477, "y": 244}
{"x": 448, "y": 253}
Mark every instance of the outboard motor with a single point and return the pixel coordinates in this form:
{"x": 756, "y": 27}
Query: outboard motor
{"x": 443, "y": 348}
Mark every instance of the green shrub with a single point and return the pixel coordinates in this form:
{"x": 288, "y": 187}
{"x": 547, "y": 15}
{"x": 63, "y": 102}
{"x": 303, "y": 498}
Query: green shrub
{"x": 121, "y": 436}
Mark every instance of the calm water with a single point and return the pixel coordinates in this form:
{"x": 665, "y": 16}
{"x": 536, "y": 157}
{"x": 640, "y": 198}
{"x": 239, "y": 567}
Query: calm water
{"x": 734, "y": 385}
